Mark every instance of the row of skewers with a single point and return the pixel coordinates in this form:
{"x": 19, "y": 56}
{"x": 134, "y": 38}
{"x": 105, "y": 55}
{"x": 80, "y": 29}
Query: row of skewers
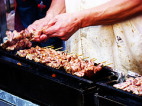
{"x": 73, "y": 64}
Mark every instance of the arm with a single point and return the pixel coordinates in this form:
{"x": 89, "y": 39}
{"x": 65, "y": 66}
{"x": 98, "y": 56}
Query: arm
{"x": 110, "y": 12}
{"x": 64, "y": 25}
{"x": 56, "y": 7}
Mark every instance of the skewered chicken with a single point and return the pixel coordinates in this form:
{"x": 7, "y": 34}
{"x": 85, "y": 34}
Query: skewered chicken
{"x": 18, "y": 40}
{"x": 133, "y": 85}
{"x": 59, "y": 59}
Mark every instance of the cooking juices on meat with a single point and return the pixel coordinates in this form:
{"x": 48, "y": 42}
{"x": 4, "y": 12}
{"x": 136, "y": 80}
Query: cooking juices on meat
{"x": 59, "y": 59}
{"x": 18, "y": 40}
{"x": 131, "y": 84}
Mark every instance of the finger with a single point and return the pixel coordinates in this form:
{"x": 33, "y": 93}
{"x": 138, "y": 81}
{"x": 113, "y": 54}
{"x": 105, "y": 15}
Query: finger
{"x": 38, "y": 32}
{"x": 49, "y": 26}
{"x": 61, "y": 36}
{"x": 52, "y": 22}
{"x": 31, "y": 29}
{"x": 49, "y": 31}
{"x": 36, "y": 39}
{"x": 44, "y": 37}
{"x": 64, "y": 38}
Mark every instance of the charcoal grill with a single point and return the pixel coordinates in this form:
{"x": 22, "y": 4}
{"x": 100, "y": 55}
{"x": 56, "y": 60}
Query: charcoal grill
{"x": 45, "y": 85}
{"x": 35, "y": 82}
{"x": 107, "y": 95}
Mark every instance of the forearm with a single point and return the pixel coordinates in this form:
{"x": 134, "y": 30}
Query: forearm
{"x": 56, "y": 7}
{"x": 110, "y": 12}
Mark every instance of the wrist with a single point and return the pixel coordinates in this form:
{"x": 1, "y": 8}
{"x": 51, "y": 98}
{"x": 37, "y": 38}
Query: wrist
{"x": 84, "y": 19}
{"x": 79, "y": 19}
{"x": 49, "y": 16}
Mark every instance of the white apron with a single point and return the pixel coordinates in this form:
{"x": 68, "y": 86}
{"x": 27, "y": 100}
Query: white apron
{"x": 120, "y": 44}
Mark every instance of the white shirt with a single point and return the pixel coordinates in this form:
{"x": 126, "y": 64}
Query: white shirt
{"x": 119, "y": 44}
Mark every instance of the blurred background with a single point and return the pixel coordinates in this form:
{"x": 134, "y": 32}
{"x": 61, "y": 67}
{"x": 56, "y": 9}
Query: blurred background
{"x": 10, "y": 13}
{"x": 7, "y": 15}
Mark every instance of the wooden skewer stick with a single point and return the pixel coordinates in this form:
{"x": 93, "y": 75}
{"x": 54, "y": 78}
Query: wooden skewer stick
{"x": 107, "y": 64}
{"x": 52, "y": 47}
{"x": 85, "y": 57}
{"x": 103, "y": 62}
{"x": 65, "y": 50}
{"x": 49, "y": 47}
{"x": 79, "y": 54}
{"x": 94, "y": 59}
{"x": 36, "y": 31}
{"x": 71, "y": 53}
{"x": 58, "y": 48}
{"x": 32, "y": 39}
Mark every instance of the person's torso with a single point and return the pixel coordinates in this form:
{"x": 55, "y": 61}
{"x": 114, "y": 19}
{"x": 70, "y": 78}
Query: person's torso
{"x": 119, "y": 44}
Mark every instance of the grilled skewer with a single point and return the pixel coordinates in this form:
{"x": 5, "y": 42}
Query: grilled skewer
{"x": 18, "y": 40}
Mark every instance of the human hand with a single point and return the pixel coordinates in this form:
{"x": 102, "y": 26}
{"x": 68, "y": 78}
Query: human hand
{"x": 37, "y": 27}
{"x": 61, "y": 26}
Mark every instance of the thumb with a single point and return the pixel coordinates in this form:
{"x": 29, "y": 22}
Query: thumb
{"x": 50, "y": 24}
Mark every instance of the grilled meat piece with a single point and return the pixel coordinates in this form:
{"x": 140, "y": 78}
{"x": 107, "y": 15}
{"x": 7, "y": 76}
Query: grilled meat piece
{"x": 23, "y": 43}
